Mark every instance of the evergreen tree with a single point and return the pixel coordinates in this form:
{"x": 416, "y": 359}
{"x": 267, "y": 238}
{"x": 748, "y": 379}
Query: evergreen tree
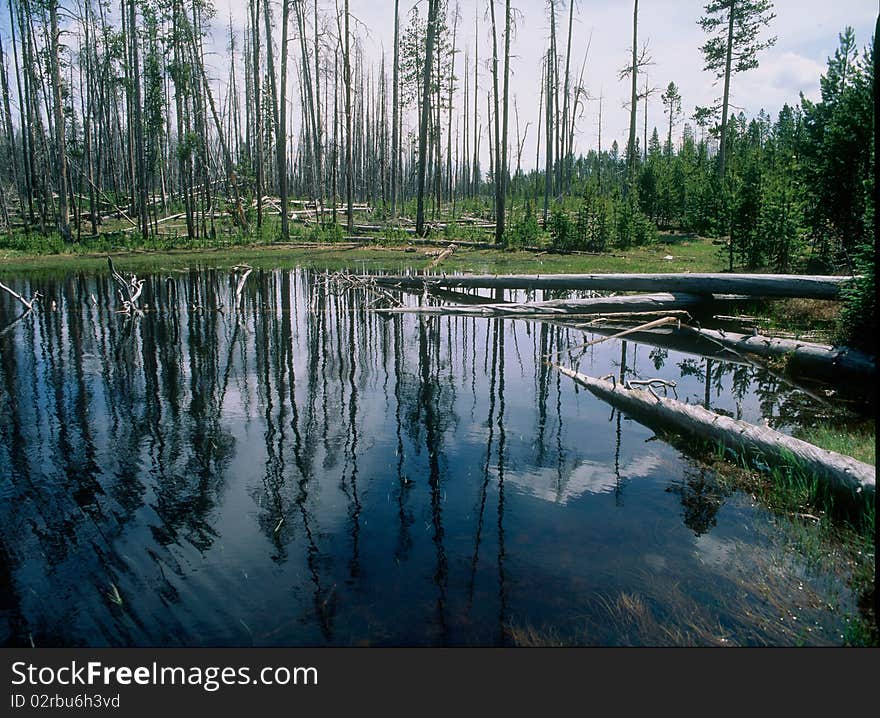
{"x": 734, "y": 27}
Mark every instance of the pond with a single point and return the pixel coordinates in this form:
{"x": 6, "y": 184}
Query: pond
{"x": 301, "y": 470}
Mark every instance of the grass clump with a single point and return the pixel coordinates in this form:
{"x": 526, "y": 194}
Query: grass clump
{"x": 858, "y": 442}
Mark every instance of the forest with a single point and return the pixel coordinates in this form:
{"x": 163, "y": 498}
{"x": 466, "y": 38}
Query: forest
{"x": 116, "y": 127}
{"x": 326, "y": 322}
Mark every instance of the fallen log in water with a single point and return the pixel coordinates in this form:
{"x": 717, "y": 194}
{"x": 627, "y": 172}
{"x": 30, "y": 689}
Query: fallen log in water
{"x": 27, "y": 304}
{"x": 803, "y": 356}
{"x": 753, "y": 285}
{"x": 842, "y": 473}
{"x": 556, "y": 307}
{"x": 818, "y": 361}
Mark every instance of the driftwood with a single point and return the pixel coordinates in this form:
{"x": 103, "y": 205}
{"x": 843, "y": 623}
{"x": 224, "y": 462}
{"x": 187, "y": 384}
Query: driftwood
{"x": 557, "y": 307}
{"x": 450, "y": 295}
{"x": 28, "y": 305}
{"x": 753, "y": 285}
{"x": 664, "y": 321}
{"x": 239, "y": 289}
{"x": 443, "y": 255}
{"x": 129, "y": 291}
{"x": 842, "y": 473}
{"x": 680, "y": 340}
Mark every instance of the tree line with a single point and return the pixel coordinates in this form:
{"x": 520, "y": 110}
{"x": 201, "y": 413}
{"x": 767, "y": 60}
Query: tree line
{"x": 111, "y": 110}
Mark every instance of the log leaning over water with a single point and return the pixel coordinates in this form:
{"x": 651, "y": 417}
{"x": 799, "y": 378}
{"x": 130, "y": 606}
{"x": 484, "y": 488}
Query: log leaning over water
{"x": 754, "y": 285}
{"x": 842, "y": 473}
{"x": 806, "y": 356}
{"x": 557, "y": 307}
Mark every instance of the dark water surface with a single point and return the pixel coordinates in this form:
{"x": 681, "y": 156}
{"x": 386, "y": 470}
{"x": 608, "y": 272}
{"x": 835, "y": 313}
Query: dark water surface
{"x": 307, "y": 472}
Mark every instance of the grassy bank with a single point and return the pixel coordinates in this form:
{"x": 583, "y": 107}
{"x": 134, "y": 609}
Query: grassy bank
{"x": 676, "y": 253}
{"x": 857, "y": 441}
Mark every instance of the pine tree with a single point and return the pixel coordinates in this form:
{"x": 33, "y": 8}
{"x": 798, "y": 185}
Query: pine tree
{"x": 735, "y": 40}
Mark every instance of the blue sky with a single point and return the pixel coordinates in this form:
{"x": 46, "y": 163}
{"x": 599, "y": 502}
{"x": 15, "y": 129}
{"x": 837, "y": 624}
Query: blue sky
{"x": 807, "y": 33}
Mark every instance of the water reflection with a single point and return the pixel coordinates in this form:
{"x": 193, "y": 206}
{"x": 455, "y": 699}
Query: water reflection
{"x": 301, "y": 470}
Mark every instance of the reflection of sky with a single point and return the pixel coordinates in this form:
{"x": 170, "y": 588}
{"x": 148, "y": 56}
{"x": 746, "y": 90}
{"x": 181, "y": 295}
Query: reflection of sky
{"x": 586, "y": 477}
{"x": 277, "y": 514}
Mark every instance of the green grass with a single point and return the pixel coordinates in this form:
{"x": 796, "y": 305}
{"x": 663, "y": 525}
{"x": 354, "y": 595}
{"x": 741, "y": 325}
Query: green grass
{"x": 858, "y": 442}
{"x": 389, "y": 254}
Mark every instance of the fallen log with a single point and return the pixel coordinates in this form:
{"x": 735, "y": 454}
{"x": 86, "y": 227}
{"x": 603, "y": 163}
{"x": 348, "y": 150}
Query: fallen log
{"x": 450, "y": 295}
{"x": 842, "y": 473}
{"x": 802, "y": 356}
{"x": 556, "y": 307}
{"x": 753, "y": 285}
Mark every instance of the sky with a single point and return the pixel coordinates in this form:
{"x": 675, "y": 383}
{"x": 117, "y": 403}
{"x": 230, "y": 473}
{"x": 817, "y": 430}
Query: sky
{"x": 806, "y": 30}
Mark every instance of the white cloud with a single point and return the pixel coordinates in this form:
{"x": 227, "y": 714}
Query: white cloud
{"x": 807, "y": 33}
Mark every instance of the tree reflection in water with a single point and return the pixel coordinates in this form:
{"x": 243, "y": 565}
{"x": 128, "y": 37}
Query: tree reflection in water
{"x": 301, "y": 470}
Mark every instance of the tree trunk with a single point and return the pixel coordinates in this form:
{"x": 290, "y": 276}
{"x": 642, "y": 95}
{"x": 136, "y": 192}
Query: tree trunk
{"x": 258, "y": 108}
{"x": 433, "y": 7}
{"x": 842, "y": 473}
{"x": 503, "y": 173}
{"x": 565, "y": 307}
{"x": 634, "y": 96}
{"x": 722, "y": 151}
{"x": 756, "y": 285}
{"x": 58, "y": 112}
{"x": 281, "y": 134}
{"x": 349, "y": 166}
{"x": 395, "y": 118}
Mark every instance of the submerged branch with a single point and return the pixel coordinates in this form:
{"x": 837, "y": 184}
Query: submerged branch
{"x": 28, "y": 305}
{"x": 129, "y": 291}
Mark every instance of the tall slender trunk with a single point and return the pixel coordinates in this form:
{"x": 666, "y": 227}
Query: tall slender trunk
{"x": 319, "y": 127}
{"x": 395, "y": 115}
{"x": 270, "y": 66}
{"x": 548, "y": 140}
{"x": 503, "y": 173}
{"x": 281, "y": 133}
{"x": 10, "y": 132}
{"x": 634, "y": 96}
{"x": 566, "y": 119}
{"x": 599, "y": 150}
{"x": 538, "y": 142}
{"x": 499, "y": 171}
{"x": 476, "y": 163}
{"x": 26, "y": 132}
{"x": 137, "y": 120}
{"x": 433, "y": 7}
{"x": 258, "y": 108}
{"x": 645, "y": 133}
{"x": 63, "y": 219}
{"x": 725, "y": 102}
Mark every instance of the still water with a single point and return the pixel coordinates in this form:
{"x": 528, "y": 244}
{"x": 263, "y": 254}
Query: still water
{"x": 304, "y": 471}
